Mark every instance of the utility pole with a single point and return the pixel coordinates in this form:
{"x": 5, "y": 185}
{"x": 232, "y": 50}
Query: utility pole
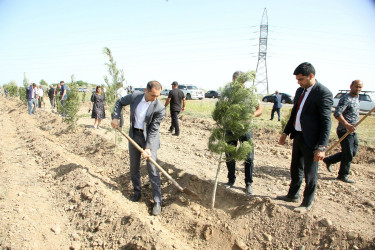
{"x": 261, "y": 79}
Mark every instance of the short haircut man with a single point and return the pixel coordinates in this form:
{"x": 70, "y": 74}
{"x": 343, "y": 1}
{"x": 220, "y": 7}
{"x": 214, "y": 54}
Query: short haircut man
{"x": 309, "y": 126}
{"x": 177, "y": 100}
{"x": 347, "y": 113}
{"x": 146, "y": 114}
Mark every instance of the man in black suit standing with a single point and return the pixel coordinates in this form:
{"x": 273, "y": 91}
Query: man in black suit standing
{"x": 146, "y": 114}
{"x": 309, "y": 125}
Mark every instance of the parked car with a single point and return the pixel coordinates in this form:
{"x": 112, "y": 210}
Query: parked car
{"x": 213, "y": 94}
{"x": 165, "y": 92}
{"x": 366, "y": 99}
{"x": 140, "y": 89}
{"x": 83, "y": 90}
{"x": 191, "y": 91}
{"x": 285, "y": 98}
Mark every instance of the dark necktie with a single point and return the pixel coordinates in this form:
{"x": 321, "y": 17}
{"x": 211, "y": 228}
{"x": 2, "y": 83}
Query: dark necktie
{"x": 298, "y": 104}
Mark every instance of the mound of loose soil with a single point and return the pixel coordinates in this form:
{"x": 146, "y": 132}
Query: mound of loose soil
{"x": 61, "y": 190}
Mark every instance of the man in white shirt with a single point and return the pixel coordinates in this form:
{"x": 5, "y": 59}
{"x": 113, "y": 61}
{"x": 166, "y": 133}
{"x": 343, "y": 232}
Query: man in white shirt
{"x": 41, "y": 94}
{"x": 309, "y": 126}
{"x": 146, "y": 114}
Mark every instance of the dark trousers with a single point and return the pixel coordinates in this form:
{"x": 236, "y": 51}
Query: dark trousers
{"x": 249, "y": 163}
{"x": 174, "y": 123}
{"x": 52, "y": 101}
{"x": 303, "y": 164}
{"x": 135, "y": 161}
{"x": 63, "y": 103}
{"x": 273, "y": 111}
{"x": 121, "y": 119}
{"x": 349, "y": 147}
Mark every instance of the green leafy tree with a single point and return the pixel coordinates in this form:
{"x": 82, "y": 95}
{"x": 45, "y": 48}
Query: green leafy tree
{"x": 233, "y": 115}
{"x": 43, "y": 83}
{"x": 82, "y": 83}
{"x": 116, "y": 81}
{"x": 22, "y": 90}
{"x": 12, "y": 88}
{"x": 84, "y": 97}
{"x": 72, "y": 106}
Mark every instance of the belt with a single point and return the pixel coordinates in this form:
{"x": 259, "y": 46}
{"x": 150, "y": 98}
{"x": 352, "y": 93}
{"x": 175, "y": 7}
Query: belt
{"x": 138, "y": 129}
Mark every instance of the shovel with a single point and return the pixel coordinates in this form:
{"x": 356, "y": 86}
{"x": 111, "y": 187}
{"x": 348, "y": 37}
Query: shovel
{"x": 347, "y": 133}
{"x": 183, "y": 190}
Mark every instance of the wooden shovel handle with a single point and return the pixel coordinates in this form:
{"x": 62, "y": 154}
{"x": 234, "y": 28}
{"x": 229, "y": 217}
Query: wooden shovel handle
{"x": 347, "y": 133}
{"x": 152, "y": 160}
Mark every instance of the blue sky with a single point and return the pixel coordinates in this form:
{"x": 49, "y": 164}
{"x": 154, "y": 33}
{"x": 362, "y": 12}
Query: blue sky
{"x": 193, "y": 42}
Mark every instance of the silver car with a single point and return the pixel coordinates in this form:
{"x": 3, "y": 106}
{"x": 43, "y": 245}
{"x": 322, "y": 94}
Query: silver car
{"x": 366, "y": 99}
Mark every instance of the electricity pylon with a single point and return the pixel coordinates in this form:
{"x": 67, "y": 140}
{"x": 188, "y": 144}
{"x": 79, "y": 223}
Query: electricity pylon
{"x": 261, "y": 80}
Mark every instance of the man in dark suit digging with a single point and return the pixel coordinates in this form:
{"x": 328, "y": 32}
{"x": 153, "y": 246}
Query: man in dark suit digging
{"x": 146, "y": 114}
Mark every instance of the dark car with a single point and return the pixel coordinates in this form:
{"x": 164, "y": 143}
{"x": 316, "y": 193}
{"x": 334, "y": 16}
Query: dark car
{"x": 285, "y": 98}
{"x": 212, "y": 94}
{"x": 140, "y": 89}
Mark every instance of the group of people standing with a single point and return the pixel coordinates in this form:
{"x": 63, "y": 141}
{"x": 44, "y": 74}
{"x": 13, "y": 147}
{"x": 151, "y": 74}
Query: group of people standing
{"x": 35, "y": 96}
{"x": 308, "y": 126}
{"x": 5, "y": 92}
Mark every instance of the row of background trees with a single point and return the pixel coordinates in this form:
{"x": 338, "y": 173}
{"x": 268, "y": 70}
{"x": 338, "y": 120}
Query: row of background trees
{"x": 70, "y": 110}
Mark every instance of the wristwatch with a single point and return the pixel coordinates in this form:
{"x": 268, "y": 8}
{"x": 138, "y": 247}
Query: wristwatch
{"x": 322, "y": 148}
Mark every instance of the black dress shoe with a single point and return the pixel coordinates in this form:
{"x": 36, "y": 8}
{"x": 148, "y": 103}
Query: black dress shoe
{"x": 135, "y": 197}
{"x": 156, "y": 209}
{"x": 176, "y": 134}
{"x": 229, "y": 184}
{"x": 170, "y": 130}
{"x": 287, "y": 199}
{"x": 328, "y": 165}
{"x": 345, "y": 179}
{"x": 303, "y": 208}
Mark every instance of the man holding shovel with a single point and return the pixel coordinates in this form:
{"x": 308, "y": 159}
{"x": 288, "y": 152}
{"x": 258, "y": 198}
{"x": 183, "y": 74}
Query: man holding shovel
{"x": 146, "y": 114}
{"x": 347, "y": 113}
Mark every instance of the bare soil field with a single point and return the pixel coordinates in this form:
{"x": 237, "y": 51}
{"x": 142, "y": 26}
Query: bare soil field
{"x": 61, "y": 190}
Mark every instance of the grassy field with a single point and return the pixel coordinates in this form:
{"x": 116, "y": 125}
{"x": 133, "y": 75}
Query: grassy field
{"x": 203, "y": 109}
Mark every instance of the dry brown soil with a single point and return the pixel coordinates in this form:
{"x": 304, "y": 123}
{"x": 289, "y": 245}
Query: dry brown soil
{"x": 61, "y": 190}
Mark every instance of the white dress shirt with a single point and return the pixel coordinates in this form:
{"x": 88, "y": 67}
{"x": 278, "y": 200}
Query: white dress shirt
{"x": 297, "y": 125}
{"x": 121, "y": 92}
{"x": 140, "y": 113}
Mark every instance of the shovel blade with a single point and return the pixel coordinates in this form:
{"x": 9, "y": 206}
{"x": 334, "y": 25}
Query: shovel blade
{"x": 191, "y": 193}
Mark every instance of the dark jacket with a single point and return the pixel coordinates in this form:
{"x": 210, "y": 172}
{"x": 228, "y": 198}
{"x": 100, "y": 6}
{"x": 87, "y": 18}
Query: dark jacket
{"x": 315, "y": 117}
{"x": 29, "y": 92}
{"x": 277, "y": 103}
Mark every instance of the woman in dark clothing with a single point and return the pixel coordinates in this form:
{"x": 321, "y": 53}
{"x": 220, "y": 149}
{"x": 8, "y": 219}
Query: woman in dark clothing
{"x": 98, "y": 112}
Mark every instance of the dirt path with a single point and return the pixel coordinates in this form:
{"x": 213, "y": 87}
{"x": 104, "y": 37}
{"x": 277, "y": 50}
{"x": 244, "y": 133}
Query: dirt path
{"x": 61, "y": 190}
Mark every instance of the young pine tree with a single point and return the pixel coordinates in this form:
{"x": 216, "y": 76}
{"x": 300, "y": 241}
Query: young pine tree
{"x": 72, "y": 106}
{"x": 233, "y": 115}
{"x": 22, "y": 90}
{"x": 117, "y": 79}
